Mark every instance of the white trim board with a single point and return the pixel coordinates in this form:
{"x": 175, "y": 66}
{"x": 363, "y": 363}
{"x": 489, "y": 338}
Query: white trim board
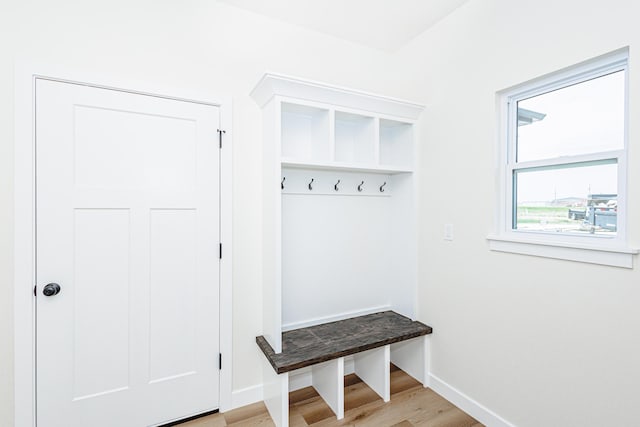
{"x": 481, "y": 413}
{"x": 293, "y": 87}
{"x": 603, "y": 255}
{"x": 24, "y": 227}
{"x": 334, "y": 318}
{"x": 246, "y": 396}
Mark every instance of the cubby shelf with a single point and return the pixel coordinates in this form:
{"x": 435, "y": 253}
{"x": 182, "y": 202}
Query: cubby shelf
{"x": 320, "y": 135}
{"x": 324, "y": 138}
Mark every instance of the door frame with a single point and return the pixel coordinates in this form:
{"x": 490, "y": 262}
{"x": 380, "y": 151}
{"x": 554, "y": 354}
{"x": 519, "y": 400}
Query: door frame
{"x": 25, "y": 400}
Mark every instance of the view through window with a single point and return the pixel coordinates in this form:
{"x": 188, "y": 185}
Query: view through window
{"x": 568, "y": 144}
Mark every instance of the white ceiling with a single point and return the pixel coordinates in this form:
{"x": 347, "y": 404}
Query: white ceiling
{"x": 381, "y": 24}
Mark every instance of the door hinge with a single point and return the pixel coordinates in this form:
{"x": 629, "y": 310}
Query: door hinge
{"x": 220, "y": 251}
{"x": 35, "y": 291}
{"x": 220, "y": 132}
{"x": 220, "y": 361}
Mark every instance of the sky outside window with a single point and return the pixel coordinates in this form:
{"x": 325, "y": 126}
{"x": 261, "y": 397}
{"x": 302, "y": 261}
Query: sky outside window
{"x": 584, "y": 118}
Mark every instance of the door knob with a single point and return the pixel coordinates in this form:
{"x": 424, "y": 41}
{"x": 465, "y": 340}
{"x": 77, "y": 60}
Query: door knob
{"x": 51, "y": 289}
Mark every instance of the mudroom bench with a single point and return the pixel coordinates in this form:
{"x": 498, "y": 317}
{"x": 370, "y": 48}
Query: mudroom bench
{"x": 374, "y": 341}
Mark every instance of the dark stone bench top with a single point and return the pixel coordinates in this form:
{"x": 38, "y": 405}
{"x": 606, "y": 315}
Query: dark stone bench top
{"x": 328, "y": 341}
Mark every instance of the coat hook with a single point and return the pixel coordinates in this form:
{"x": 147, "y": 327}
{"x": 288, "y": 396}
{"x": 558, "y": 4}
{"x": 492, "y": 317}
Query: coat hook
{"x": 382, "y": 187}
{"x": 282, "y": 182}
{"x": 310, "y": 186}
{"x": 335, "y": 187}
{"x": 360, "y": 186}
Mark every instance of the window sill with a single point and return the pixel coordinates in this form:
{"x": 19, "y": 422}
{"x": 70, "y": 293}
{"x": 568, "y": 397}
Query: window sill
{"x": 604, "y": 255}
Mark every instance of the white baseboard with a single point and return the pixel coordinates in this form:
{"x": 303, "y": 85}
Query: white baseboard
{"x": 467, "y": 404}
{"x": 246, "y": 396}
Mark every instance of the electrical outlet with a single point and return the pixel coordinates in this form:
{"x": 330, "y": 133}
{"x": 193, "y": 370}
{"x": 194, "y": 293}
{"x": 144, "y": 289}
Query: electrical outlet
{"x": 448, "y": 232}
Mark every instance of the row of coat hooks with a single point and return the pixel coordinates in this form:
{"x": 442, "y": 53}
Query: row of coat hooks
{"x": 336, "y": 186}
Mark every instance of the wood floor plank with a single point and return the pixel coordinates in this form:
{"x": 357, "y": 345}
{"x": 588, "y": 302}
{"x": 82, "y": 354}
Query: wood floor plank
{"x": 315, "y": 410}
{"x": 400, "y": 381}
{"x": 358, "y": 394}
{"x": 215, "y": 420}
{"x": 438, "y": 412}
{"x": 245, "y": 413}
{"x": 451, "y": 417}
{"x": 302, "y": 395}
{"x": 295, "y": 418}
{"x": 262, "y": 420}
{"x": 411, "y": 405}
{"x": 351, "y": 379}
{"x": 374, "y": 414}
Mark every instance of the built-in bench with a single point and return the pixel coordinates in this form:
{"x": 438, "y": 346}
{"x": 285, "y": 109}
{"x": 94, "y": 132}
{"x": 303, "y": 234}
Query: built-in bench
{"x": 374, "y": 340}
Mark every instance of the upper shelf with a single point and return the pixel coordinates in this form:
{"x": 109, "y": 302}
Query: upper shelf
{"x": 326, "y": 127}
{"x": 333, "y": 139}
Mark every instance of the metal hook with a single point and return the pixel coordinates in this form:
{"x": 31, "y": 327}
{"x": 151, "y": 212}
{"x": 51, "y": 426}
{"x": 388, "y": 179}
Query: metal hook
{"x": 282, "y": 182}
{"x": 382, "y": 187}
{"x": 360, "y": 186}
{"x": 335, "y": 187}
{"x": 310, "y": 187}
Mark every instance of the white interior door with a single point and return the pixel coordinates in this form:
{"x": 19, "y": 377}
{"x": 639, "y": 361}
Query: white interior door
{"x": 127, "y": 224}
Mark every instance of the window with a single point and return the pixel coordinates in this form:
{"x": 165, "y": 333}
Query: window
{"x": 564, "y": 160}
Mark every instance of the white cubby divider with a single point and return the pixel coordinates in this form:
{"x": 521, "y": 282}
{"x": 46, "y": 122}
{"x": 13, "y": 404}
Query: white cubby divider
{"x": 372, "y": 367}
{"x": 328, "y": 380}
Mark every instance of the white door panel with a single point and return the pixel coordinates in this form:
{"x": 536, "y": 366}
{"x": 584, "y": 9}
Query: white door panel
{"x": 127, "y": 222}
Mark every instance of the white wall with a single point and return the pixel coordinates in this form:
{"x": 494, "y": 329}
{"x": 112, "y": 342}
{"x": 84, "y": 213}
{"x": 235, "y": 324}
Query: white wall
{"x": 198, "y": 46}
{"x": 541, "y": 342}
{"x": 6, "y": 231}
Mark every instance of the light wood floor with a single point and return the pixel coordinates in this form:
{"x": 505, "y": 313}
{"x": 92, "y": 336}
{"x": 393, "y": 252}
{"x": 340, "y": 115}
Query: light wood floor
{"x": 410, "y": 405}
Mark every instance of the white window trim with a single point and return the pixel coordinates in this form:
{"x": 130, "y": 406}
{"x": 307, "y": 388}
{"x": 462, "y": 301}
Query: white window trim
{"x": 605, "y": 250}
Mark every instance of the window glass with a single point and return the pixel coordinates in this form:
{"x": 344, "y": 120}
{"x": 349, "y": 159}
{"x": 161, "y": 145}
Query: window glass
{"x": 584, "y": 118}
{"x": 577, "y": 200}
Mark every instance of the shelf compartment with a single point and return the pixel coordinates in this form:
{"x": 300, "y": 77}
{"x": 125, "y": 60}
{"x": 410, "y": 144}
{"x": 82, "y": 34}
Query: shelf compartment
{"x": 355, "y": 138}
{"x": 304, "y": 132}
{"x": 396, "y": 144}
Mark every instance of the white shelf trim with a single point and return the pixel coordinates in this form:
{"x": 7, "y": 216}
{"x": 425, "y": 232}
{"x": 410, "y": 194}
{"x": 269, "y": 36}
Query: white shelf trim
{"x": 615, "y": 256}
{"x": 339, "y": 166}
{"x": 273, "y": 84}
